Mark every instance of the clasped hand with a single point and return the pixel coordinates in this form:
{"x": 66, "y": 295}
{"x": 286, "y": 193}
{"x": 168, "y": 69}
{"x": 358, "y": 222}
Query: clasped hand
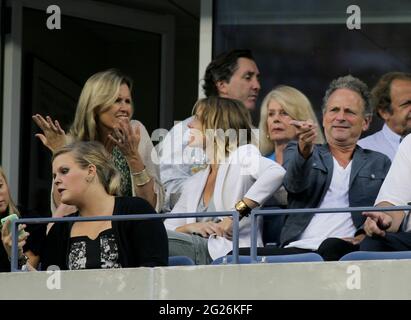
{"x": 376, "y": 223}
{"x": 224, "y": 228}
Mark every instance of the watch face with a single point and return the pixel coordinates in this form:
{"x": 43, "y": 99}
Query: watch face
{"x": 240, "y": 206}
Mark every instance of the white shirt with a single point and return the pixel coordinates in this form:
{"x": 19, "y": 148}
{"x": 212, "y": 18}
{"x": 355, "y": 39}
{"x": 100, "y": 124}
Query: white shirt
{"x": 396, "y": 188}
{"x": 385, "y": 141}
{"x": 326, "y": 225}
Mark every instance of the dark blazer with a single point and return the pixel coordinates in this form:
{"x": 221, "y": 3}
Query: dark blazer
{"x": 307, "y": 182}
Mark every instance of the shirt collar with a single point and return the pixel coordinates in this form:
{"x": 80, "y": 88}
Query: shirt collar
{"x": 390, "y": 135}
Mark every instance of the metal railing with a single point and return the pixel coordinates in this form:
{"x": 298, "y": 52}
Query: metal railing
{"x": 235, "y": 239}
{"x": 270, "y": 212}
{"x": 153, "y": 216}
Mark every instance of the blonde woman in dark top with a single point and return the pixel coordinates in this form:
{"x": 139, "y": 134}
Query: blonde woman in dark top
{"x": 85, "y": 177}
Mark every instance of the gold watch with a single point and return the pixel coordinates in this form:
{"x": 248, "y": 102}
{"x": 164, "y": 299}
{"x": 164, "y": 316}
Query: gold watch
{"x": 242, "y": 208}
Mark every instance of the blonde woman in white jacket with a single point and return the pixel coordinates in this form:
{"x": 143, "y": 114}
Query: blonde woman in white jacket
{"x": 236, "y": 174}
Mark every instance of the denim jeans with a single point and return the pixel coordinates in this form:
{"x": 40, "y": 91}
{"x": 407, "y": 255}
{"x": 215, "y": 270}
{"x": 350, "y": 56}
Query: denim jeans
{"x": 190, "y": 245}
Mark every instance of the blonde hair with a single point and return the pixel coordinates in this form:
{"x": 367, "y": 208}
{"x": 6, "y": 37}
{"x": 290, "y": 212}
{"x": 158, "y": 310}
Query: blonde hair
{"x": 218, "y": 115}
{"x": 93, "y": 152}
{"x": 295, "y": 103}
{"x": 99, "y": 93}
{"x": 11, "y": 206}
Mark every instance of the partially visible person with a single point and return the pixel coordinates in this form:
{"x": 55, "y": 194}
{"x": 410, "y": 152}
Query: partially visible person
{"x": 103, "y": 114}
{"x": 392, "y": 100}
{"x": 237, "y": 177}
{"x": 29, "y": 243}
{"x": 233, "y": 74}
{"x": 391, "y": 230}
{"x": 86, "y": 178}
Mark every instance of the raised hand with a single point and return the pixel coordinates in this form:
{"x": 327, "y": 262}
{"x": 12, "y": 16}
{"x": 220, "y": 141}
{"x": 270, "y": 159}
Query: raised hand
{"x": 306, "y": 134}
{"x": 126, "y": 138}
{"x": 53, "y": 136}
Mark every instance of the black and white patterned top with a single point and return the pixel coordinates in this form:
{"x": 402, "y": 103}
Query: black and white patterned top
{"x": 100, "y": 253}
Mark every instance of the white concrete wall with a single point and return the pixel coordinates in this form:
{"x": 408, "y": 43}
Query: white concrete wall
{"x": 389, "y": 279}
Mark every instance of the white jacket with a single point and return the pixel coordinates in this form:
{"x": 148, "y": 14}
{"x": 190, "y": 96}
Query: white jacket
{"x": 245, "y": 174}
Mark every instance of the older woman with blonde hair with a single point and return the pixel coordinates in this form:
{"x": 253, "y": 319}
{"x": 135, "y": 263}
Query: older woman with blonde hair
{"x": 279, "y": 107}
{"x": 237, "y": 177}
{"x": 103, "y": 114}
{"x": 85, "y": 177}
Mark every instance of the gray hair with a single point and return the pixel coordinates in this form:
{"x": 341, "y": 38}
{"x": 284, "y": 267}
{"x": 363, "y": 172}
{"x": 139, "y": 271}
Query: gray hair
{"x": 354, "y": 84}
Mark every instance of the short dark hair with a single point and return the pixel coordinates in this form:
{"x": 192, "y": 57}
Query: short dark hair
{"x": 381, "y": 93}
{"x": 222, "y": 68}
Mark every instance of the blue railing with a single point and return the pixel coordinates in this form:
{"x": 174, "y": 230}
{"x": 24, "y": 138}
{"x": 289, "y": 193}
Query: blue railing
{"x": 269, "y": 212}
{"x": 253, "y": 220}
{"x": 154, "y": 216}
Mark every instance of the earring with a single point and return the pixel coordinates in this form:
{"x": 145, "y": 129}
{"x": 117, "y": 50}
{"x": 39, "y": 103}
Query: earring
{"x": 267, "y": 136}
